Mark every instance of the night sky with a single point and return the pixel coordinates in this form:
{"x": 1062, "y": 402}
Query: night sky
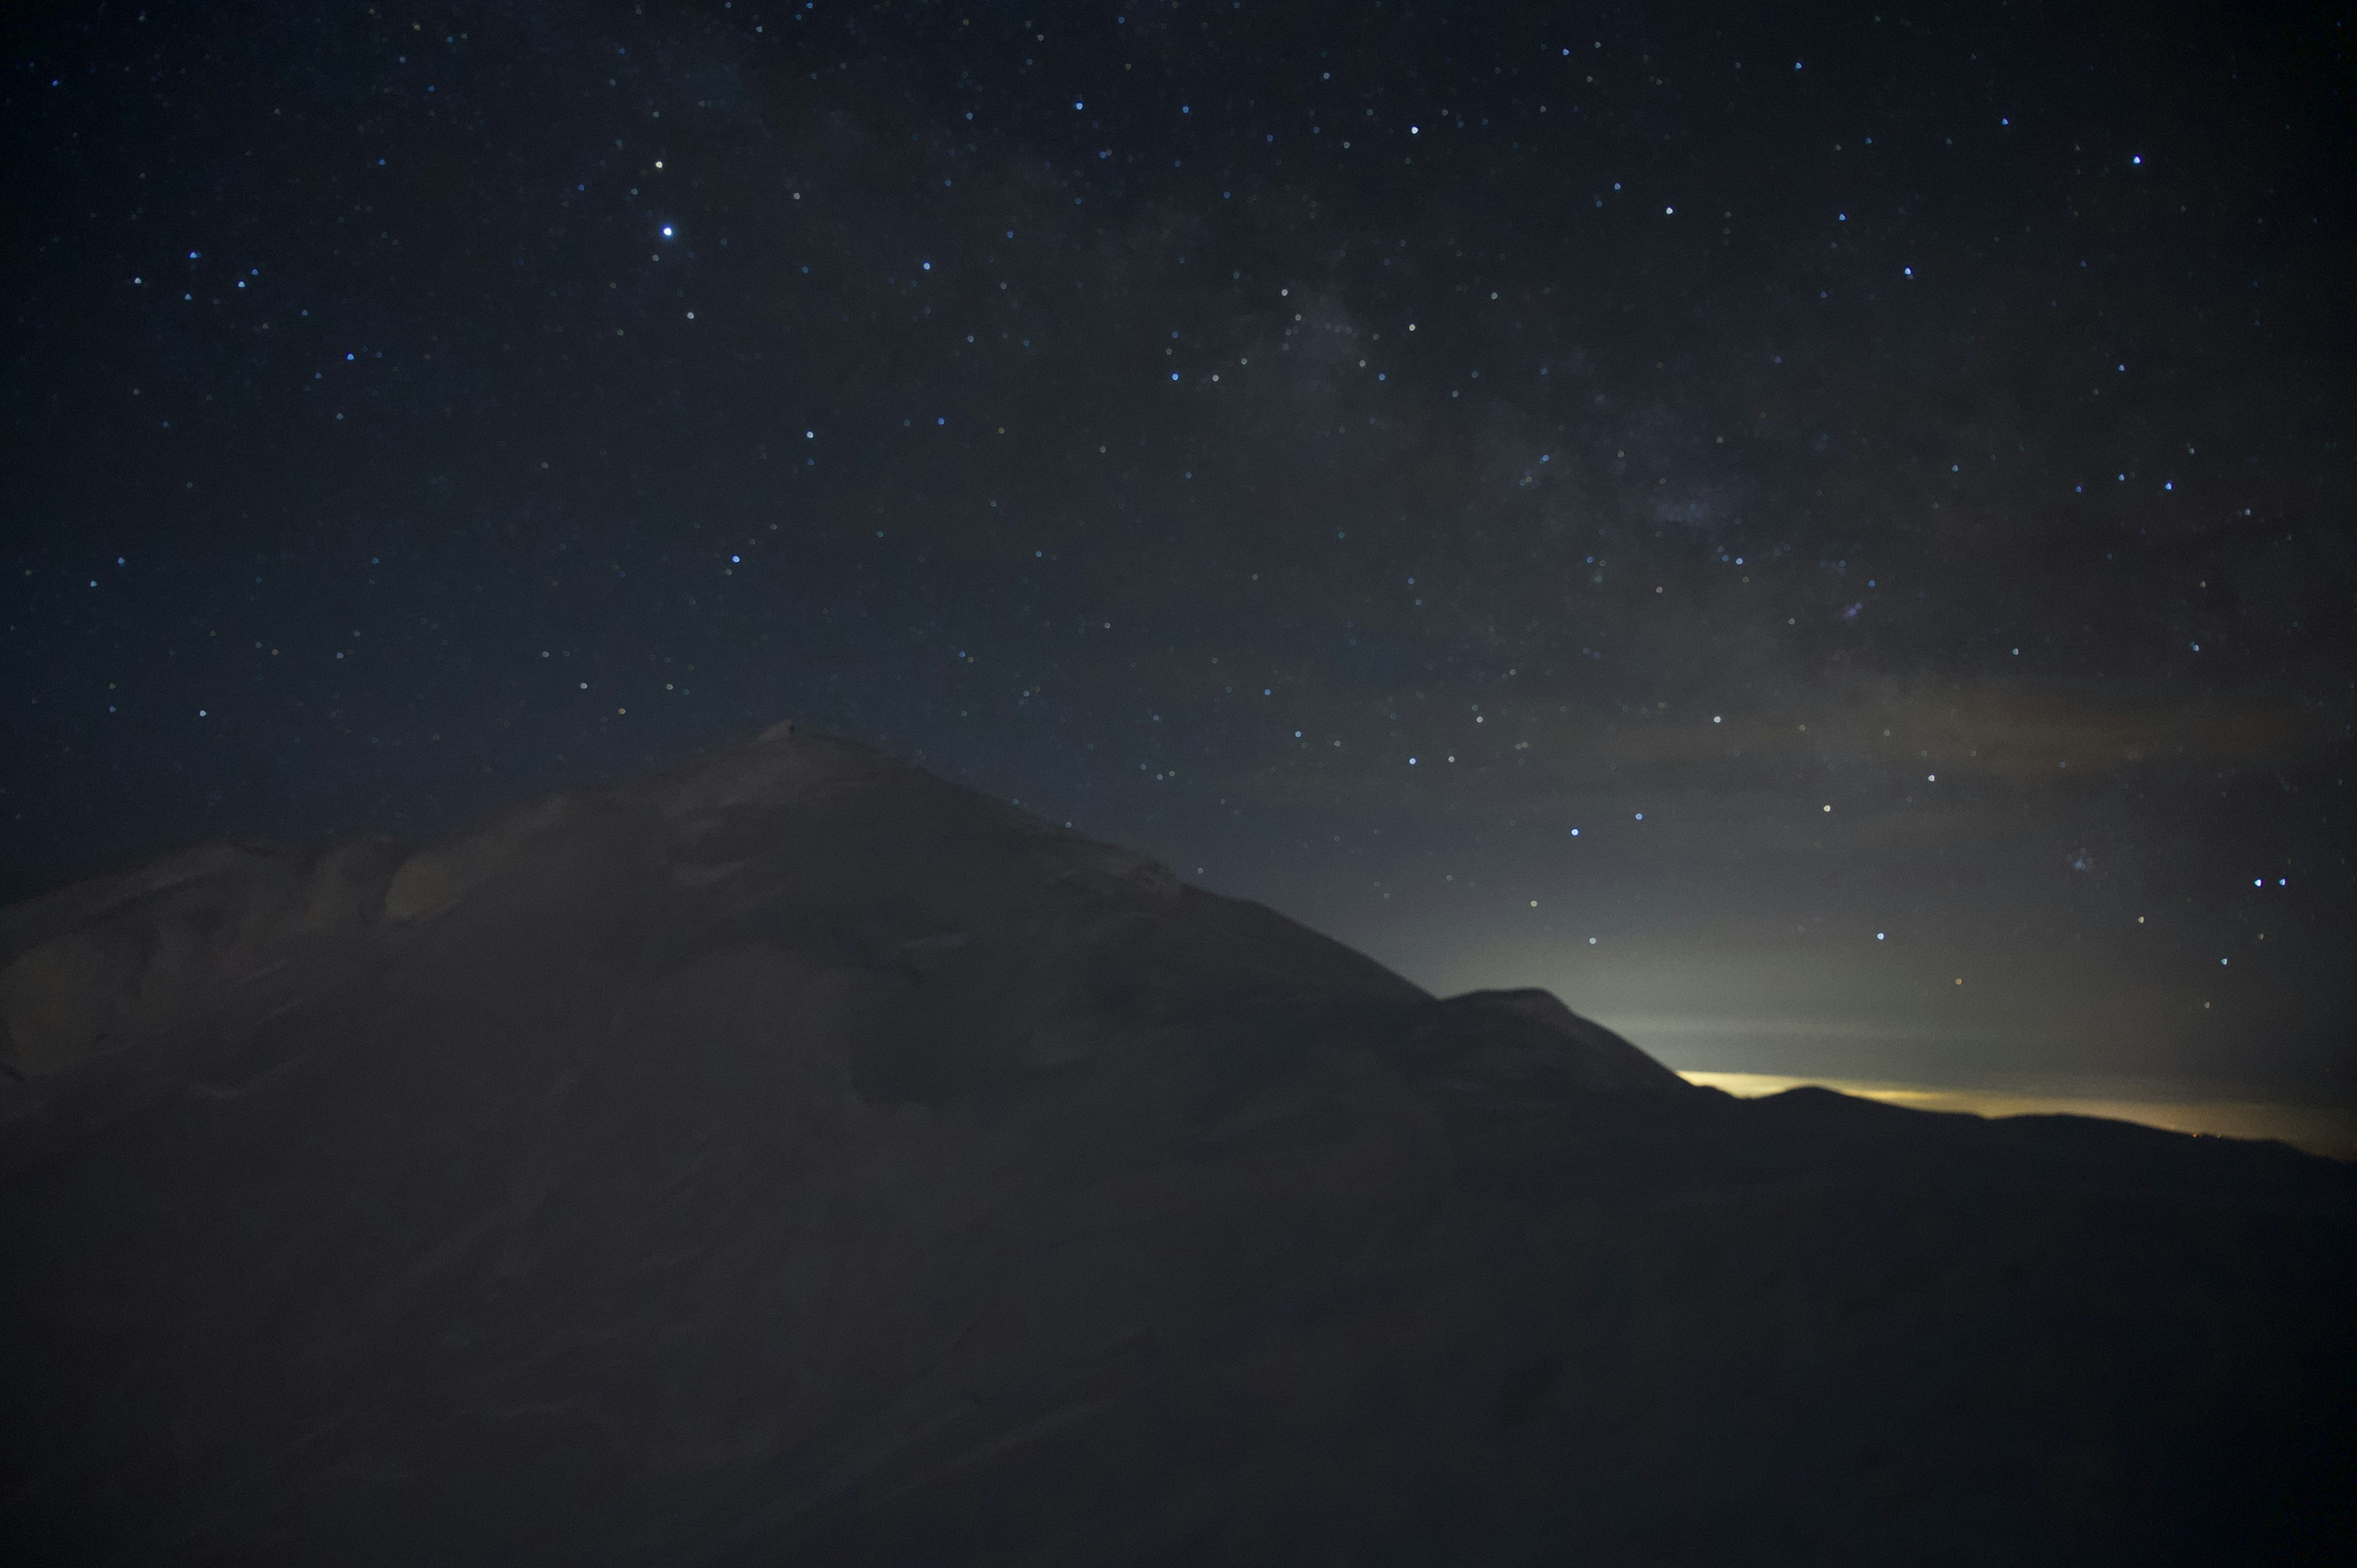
{"x": 1824, "y": 542}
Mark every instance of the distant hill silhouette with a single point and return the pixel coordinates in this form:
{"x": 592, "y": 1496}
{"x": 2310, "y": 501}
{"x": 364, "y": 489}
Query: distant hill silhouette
{"x": 794, "y": 1159}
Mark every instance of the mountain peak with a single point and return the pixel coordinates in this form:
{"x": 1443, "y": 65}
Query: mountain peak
{"x": 792, "y": 1157}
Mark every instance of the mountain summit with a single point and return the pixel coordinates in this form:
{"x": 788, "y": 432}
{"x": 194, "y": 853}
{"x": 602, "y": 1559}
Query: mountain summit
{"x": 791, "y": 1158}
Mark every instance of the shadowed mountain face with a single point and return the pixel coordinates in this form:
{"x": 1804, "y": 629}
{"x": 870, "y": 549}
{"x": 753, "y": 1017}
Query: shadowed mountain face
{"x": 794, "y": 1159}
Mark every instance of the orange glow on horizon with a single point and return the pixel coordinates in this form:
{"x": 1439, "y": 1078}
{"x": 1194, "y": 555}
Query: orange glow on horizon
{"x": 2320, "y": 1130}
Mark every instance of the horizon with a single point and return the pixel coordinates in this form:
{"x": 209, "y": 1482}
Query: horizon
{"x": 1771, "y": 1055}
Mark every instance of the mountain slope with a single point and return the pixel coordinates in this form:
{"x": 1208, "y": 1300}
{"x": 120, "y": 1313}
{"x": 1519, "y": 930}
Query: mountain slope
{"x": 791, "y": 1158}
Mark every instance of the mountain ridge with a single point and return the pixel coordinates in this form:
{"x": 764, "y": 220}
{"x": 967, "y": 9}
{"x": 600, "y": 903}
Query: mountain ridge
{"x": 790, "y": 1157}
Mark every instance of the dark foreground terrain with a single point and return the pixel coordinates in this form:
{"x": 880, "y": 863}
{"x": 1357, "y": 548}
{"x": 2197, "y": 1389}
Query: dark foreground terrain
{"x": 794, "y": 1159}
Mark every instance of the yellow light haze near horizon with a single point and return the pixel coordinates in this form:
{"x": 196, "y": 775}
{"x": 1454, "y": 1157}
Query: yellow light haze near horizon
{"x": 2320, "y": 1130}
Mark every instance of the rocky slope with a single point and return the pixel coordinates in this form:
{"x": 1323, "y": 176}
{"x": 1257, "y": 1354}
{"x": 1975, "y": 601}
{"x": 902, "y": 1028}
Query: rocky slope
{"x": 794, "y": 1159}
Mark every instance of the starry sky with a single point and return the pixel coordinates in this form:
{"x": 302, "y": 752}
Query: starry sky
{"x": 1821, "y": 536}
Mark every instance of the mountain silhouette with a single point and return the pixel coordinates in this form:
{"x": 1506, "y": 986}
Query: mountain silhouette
{"x": 794, "y": 1159}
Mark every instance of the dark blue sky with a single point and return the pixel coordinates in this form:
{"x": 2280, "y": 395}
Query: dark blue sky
{"x": 1341, "y": 451}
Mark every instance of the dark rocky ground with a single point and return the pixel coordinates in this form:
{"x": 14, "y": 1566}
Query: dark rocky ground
{"x": 794, "y": 1159}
